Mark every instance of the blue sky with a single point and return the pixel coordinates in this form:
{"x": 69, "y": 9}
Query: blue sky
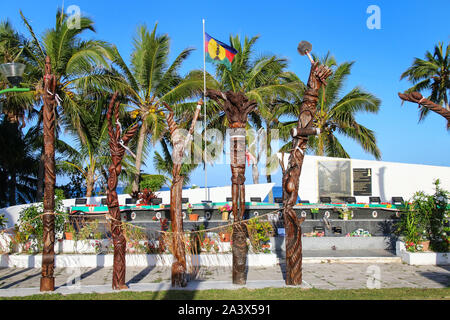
{"x": 408, "y": 30}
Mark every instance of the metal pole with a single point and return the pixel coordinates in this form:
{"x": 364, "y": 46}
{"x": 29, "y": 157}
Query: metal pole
{"x": 204, "y": 112}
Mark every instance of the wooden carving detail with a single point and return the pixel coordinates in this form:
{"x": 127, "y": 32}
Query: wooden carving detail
{"x": 416, "y": 97}
{"x": 291, "y": 175}
{"x": 117, "y": 146}
{"x": 48, "y": 219}
{"x": 237, "y": 107}
{"x": 179, "y": 142}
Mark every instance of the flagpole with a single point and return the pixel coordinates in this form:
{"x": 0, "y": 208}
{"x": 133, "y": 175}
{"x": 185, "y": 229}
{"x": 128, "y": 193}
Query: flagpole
{"x": 204, "y": 112}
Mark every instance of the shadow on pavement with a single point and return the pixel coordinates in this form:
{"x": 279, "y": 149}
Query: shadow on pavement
{"x": 141, "y": 275}
{"x": 442, "y": 278}
{"x": 12, "y": 284}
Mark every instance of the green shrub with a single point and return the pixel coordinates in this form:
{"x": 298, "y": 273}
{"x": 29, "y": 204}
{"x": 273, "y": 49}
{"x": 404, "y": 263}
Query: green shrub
{"x": 426, "y": 218}
{"x": 153, "y": 182}
{"x": 30, "y": 224}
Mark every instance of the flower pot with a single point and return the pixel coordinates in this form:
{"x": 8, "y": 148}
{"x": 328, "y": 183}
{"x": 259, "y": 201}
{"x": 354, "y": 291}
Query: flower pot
{"x": 425, "y": 245}
{"x": 225, "y": 237}
{"x": 193, "y": 217}
{"x": 68, "y": 235}
{"x": 225, "y": 216}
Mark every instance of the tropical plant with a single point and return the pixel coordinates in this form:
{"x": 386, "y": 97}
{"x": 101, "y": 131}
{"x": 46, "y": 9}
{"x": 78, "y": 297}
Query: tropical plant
{"x": 77, "y": 65}
{"x": 426, "y": 218}
{"x": 30, "y": 220}
{"x": 259, "y": 233}
{"x": 432, "y": 75}
{"x": 151, "y": 80}
{"x": 91, "y": 154}
{"x": 262, "y": 79}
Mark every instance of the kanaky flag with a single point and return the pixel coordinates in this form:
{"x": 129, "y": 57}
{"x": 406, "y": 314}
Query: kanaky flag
{"x": 218, "y": 52}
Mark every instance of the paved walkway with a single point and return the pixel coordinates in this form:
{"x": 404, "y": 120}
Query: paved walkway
{"x": 21, "y": 282}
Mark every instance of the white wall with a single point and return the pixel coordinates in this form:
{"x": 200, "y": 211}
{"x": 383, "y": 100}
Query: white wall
{"x": 216, "y": 194}
{"x": 389, "y": 179}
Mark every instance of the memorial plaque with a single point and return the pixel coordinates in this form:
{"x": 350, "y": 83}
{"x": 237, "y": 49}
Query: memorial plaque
{"x": 362, "y": 181}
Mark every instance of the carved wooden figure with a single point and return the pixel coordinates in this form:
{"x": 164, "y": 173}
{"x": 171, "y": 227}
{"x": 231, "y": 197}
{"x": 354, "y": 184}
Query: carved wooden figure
{"x": 417, "y": 97}
{"x": 179, "y": 142}
{"x": 48, "y": 219}
{"x": 237, "y": 107}
{"x": 117, "y": 145}
{"x": 291, "y": 175}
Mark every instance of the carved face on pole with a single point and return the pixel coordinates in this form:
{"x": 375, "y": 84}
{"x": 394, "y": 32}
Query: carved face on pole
{"x": 237, "y": 107}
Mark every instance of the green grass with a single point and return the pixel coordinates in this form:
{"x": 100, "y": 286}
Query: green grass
{"x": 258, "y": 294}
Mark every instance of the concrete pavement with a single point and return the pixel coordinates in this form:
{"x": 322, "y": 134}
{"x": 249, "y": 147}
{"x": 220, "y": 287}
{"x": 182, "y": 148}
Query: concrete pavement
{"x": 22, "y": 282}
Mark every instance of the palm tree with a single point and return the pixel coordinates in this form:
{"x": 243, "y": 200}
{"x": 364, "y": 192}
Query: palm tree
{"x": 262, "y": 79}
{"x": 149, "y": 81}
{"x": 92, "y": 155}
{"x": 431, "y": 74}
{"x": 336, "y": 113}
{"x": 76, "y": 64}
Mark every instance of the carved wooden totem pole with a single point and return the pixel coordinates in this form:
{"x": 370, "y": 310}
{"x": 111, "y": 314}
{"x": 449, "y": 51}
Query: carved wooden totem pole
{"x": 179, "y": 142}
{"x": 48, "y": 219}
{"x": 290, "y": 183}
{"x": 117, "y": 145}
{"x": 237, "y": 107}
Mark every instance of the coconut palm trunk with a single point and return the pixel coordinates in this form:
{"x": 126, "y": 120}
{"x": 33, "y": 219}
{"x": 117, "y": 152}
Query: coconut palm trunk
{"x": 291, "y": 176}
{"x": 48, "y": 219}
{"x": 179, "y": 268}
{"x": 116, "y": 144}
{"x": 237, "y": 107}
{"x": 139, "y": 153}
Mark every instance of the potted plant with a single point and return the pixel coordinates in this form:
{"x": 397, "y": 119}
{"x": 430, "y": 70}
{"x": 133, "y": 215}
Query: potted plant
{"x": 69, "y": 231}
{"x": 192, "y": 216}
{"x": 225, "y": 236}
{"x": 225, "y": 210}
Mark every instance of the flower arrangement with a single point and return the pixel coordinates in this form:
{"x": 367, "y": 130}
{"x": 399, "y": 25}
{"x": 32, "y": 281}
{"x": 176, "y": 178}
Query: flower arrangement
{"x": 189, "y": 208}
{"x": 225, "y": 208}
{"x": 359, "y": 233}
{"x": 314, "y": 234}
{"x": 209, "y": 244}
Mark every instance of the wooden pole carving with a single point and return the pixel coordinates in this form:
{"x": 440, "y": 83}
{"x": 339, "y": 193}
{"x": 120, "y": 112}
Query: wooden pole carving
{"x": 237, "y": 107}
{"x": 48, "y": 219}
{"x": 291, "y": 176}
{"x": 117, "y": 145}
{"x": 416, "y": 97}
{"x": 179, "y": 142}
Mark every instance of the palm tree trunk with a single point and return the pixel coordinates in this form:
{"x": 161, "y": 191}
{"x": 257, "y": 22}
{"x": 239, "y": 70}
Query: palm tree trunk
{"x": 179, "y": 272}
{"x": 255, "y": 173}
{"x": 90, "y": 183}
{"x": 291, "y": 176}
{"x": 139, "y": 152}
{"x": 117, "y": 152}
{"x": 48, "y": 219}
